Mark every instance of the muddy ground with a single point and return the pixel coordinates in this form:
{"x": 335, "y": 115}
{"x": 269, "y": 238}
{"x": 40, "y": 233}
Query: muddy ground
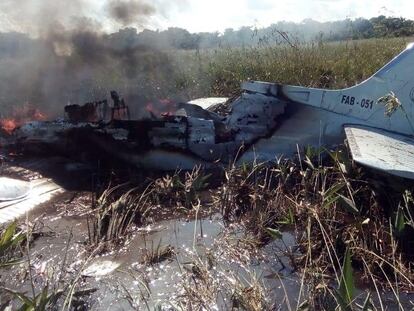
{"x": 184, "y": 259}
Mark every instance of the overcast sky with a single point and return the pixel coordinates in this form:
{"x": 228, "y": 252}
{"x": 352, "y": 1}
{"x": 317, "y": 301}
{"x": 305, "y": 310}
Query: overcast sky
{"x": 198, "y": 15}
{"x": 211, "y": 15}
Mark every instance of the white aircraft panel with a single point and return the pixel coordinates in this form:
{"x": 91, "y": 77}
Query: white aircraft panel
{"x": 383, "y": 150}
{"x": 41, "y": 191}
{"x": 13, "y": 189}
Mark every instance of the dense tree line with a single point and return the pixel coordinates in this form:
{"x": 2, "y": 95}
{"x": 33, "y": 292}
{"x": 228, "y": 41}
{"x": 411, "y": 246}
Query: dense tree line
{"x": 178, "y": 38}
{"x": 308, "y": 30}
{"x": 281, "y": 32}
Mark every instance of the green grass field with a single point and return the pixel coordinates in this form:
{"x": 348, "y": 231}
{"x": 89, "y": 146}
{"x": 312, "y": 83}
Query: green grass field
{"x": 327, "y": 65}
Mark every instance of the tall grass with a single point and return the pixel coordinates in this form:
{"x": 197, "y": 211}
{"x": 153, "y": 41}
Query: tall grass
{"x": 11, "y": 240}
{"x": 182, "y": 75}
{"x": 343, "y": 223}
{"x": 329, "y": 65}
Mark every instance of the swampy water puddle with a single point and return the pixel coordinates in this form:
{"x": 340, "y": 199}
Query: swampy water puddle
{"x": 179, "y": 263}
{"x": 206, "y": 246}
{"x": 184, "y": 262}
{"x": 165, "y": 264}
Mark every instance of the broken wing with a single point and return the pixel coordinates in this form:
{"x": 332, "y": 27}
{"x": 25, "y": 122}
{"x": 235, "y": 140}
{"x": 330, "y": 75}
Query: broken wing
{"x": 381, "y": 149}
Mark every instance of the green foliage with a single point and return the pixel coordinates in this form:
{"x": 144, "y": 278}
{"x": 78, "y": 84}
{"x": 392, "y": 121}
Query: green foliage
{"x": 41, "y": 302}
{"x": 274, "y": 233}
{"x": 180, "y": 187}
{"x": 327, "y": 65}
{"x": 346, "y": 290}
{"x": 399, "y": 222}
{"x": 195, "y": 181}
{"x": 179, "y": 74}
{"x": 10, "y": 240}
{"x": 331, "y": 195}
{"x": 289, "y": 219}
{"x": 347, "y": 204}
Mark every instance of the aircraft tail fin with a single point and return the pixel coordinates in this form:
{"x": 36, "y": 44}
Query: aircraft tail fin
{"x": 401, "y": 67}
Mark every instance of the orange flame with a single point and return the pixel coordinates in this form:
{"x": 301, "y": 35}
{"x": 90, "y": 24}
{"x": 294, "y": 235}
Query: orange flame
{"x": 20, "y": 116}
{"x": 8, "y": 125}
{"x": 162, "y": 107}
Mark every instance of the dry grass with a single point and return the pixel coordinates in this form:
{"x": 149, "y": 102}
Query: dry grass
{"x": 334, "y": 207}
{"x": 157, "y": 254}
{"x": 348, "y": 233}
{"x": 115, "y": 213}
{"x": 328, "y": 65}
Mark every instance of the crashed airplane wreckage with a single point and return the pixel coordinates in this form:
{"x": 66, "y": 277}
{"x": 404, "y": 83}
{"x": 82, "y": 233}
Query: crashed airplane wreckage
{"x": 266, "y": 121}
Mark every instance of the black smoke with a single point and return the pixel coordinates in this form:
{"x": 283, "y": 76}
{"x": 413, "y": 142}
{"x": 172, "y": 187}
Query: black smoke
{"x": 130, "y": 11}
{"x": 61, "y": 55}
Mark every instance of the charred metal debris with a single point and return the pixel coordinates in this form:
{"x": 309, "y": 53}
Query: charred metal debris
{"x": 190, "y": 133}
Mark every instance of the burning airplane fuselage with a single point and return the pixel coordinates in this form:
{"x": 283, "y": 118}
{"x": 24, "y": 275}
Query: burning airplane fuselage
{"x": 189, "y": 136}
{"x": 19, "y": 117}
{"x": 265, "y": 122}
